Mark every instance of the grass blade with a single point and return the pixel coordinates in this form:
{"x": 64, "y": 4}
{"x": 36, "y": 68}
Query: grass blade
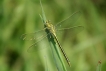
{"x": 99, "y": 66}
{"x": 54, "y": 47}
{"x": 43, "y": 14}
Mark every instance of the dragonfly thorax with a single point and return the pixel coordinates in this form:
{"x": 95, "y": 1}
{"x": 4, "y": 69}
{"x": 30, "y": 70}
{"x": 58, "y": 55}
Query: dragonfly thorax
{"x": 50, "y": 27}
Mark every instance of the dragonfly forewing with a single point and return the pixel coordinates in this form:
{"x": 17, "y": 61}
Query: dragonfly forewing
{"x": 70, "y": 21}
{"x": 33, "y": 36}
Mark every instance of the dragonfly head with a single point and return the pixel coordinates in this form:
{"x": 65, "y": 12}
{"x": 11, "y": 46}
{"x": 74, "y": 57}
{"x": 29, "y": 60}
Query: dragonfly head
{"x": 49, "y": 26}
{"x": 48, "y": 21}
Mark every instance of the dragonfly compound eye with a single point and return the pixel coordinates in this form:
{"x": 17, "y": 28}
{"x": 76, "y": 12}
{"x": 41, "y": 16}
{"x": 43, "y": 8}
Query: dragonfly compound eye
{"x": 48, "y": 20}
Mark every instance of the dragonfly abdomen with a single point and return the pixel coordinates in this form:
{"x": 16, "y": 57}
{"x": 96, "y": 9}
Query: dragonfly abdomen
{"x": 63, "y": 51}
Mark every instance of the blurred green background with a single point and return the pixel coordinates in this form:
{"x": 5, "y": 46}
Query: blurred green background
{"x": 22, "y": 16}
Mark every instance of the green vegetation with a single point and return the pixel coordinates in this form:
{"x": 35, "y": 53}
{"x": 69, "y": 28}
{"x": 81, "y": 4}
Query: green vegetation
{"x": 84, "y": 49}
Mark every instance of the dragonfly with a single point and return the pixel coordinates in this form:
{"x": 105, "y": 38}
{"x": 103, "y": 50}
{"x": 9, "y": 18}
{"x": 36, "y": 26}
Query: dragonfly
{"x": 53, "y": 30}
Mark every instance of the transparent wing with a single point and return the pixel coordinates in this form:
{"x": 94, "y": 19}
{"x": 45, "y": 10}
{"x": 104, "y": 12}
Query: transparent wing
{"x": 33, "y": 36}
{"x": 39, "y": 38}
{"x": 68, "y": 33}
{"x": 69, "y": 21}
{"x": 39, "y": 44}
